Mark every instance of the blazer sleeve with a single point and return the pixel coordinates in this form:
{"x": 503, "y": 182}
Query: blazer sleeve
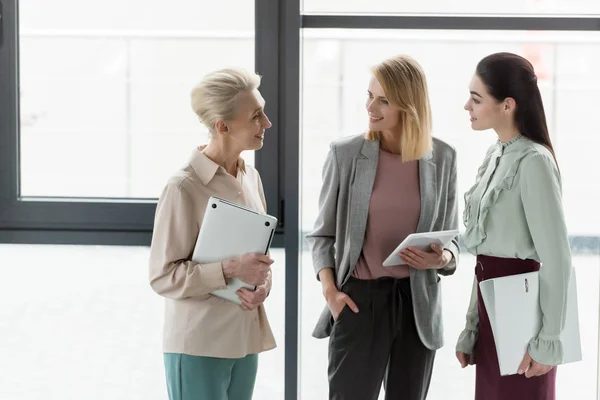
{"x": 451, "y": 219}
{"x": 322, "y": 238}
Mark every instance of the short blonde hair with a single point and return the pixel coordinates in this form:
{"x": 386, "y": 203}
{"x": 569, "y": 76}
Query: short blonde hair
{"x": 405, "y": 86}
{"x": 214, "y": 97}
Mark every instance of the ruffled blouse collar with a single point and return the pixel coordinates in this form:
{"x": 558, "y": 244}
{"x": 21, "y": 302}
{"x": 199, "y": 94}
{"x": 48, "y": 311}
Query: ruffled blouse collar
{"x": 475, "y": 221}
{"x": 504, "y": 145}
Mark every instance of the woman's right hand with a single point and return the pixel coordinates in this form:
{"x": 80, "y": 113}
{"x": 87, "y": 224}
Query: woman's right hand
{"x": 337, "y": 300}
{"x": 465, "y": 359}
{"x": 251, "y": 268}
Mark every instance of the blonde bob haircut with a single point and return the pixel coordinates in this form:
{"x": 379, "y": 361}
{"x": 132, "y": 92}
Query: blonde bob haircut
{"x": 405, "y": 87}
{"x": 214, "y": 98}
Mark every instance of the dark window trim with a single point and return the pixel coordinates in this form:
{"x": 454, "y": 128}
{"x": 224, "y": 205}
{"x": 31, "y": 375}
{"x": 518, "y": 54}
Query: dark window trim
{"x": 278, "y": 49}
{"x": 580, "y": 244}
{"x": 456, "y": 22}
{"x": 101, "y": 221}
{"x": 290, "y": 94}
{"x": 269, "y": 160}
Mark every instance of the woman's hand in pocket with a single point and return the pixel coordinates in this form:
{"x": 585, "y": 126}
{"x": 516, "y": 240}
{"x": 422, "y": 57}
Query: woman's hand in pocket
{"x": 337, "y": 300}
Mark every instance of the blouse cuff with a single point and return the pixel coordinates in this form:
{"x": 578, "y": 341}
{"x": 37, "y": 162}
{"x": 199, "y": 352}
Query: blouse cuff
{"x": 546, "y": 352}
{"x": 466, "y": 341}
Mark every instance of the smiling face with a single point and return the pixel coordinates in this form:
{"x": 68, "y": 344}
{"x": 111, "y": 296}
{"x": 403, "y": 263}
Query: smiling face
{"x": 247, "y": 130}
{"x": 382, "y": 115}
{"x": 485, "y": 111}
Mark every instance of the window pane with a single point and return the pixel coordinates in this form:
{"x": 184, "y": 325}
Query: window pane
{"x": 105, "y": 108}
{"x": 335, "y": 77}
{"x": 90, "y": 318}
{"x": 558, "y": 7}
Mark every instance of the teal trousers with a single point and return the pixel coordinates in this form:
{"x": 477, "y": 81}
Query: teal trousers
{"x": 209, "y": 378}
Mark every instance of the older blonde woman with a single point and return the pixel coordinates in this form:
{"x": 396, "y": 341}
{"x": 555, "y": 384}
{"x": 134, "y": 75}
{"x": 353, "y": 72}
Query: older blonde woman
{"x": 385, "y": 323}
{"x": 211, "y": 345}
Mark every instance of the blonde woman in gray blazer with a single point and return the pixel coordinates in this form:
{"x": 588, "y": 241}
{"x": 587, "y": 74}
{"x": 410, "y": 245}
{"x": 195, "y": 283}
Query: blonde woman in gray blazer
{"x": 385, "y": 323}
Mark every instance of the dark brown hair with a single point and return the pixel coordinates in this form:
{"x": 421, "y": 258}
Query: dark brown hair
{"x": 509, "y": 75}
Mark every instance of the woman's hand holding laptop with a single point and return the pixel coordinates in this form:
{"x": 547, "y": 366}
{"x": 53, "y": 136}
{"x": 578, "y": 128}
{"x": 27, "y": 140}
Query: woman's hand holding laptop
{"x": 251, "y": 268}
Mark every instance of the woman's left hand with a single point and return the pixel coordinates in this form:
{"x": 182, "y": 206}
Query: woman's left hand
{"x": 532, "y": 368}
{"x": 254, "y": 298}
{"x": 435, "y": 259}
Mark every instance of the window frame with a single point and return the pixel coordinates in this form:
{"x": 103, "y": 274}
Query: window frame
{"x": 421, "y": 22}
{"x": 278, "y": 48}
{"x": 102, "y": 221}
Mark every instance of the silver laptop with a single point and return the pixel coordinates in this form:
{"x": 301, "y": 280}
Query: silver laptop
{"x": 229, "y": 230}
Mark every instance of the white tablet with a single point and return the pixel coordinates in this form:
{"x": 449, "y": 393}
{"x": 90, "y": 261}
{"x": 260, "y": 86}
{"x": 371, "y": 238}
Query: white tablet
{"x": 229, "y": 230}
{"x": 422, "y": 241}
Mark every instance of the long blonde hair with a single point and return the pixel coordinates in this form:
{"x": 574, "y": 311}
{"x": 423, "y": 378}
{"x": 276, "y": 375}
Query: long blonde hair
{"x": 405, "y": 87}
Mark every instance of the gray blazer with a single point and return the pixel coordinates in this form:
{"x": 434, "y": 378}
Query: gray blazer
{"x": 337, "y": 238}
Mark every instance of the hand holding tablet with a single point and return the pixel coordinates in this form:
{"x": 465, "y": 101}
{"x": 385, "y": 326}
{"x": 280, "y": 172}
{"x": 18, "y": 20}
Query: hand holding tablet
{"x": 421, "y": 241}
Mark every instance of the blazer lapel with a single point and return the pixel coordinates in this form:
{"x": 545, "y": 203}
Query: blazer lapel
{"x": 362, "y": 187}
{"x": 428, "y": 188}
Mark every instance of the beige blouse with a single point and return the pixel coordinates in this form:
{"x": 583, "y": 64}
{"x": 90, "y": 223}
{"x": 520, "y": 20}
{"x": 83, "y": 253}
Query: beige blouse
{"x": 197, "y": 323}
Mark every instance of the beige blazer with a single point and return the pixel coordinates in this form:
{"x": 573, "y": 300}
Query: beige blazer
{"x": 197, "y": 323}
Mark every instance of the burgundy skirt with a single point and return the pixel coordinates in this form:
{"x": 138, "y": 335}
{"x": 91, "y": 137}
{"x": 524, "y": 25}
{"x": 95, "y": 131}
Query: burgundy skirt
{"x": 489, "y": 385}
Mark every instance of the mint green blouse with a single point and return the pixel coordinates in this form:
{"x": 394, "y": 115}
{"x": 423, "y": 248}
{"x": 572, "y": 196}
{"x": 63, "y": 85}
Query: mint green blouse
{"x": 514, "y": 210}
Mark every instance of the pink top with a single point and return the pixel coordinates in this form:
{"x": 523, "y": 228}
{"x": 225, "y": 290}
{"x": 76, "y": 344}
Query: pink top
{"x": 394, "y": 211}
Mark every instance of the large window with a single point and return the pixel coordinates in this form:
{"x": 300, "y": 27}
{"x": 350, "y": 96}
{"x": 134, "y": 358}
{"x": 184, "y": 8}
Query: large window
{"x": 96, "y": 110}
{"x": 87, "y": 326}
{"x": 104, "y": 88}
{"x": 95, "y": 115}
{"x": 336, "y": 73}
{"x": 335, "y": 77}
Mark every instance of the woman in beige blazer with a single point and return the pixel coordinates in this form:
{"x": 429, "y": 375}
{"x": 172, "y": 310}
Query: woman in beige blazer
{"x": 211, "y": 345}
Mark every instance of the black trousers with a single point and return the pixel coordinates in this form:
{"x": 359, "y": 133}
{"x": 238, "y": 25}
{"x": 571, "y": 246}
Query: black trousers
{"x": 379, "y": 343}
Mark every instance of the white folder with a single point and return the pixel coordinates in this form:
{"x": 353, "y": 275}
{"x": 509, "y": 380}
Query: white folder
{"x": 513, "y": 306}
